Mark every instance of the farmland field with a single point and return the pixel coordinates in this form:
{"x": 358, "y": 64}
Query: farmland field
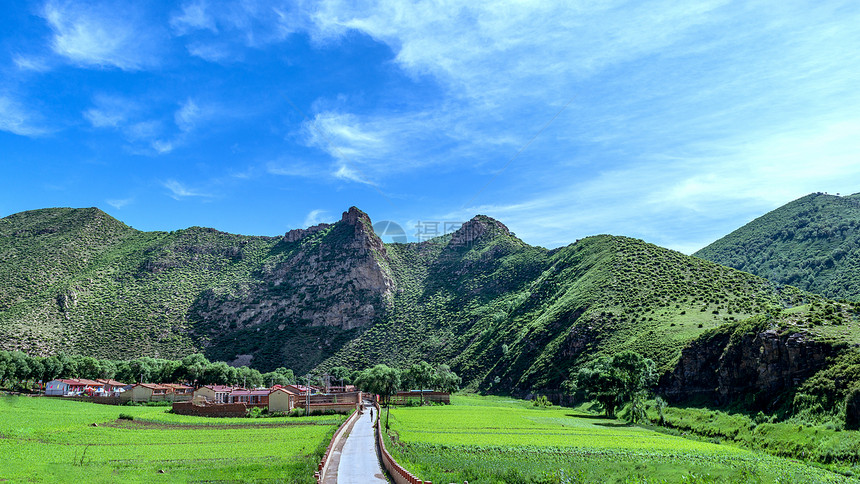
{"x": 51, "y": 440}
{"x": 489, "y": 440}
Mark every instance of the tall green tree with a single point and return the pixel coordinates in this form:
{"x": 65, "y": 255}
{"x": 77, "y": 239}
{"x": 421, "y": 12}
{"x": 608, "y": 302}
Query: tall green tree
{"x": 381, "y": 380}
{"x": 192, "y": 367}
{"x": 446, "y": 380}
{"x": 419, "y": 376}
{"x": 341, "y": 374}
{"x": 615, "y": 380}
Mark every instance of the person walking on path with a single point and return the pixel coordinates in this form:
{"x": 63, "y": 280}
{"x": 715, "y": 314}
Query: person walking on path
{"x": 359, "y": 463}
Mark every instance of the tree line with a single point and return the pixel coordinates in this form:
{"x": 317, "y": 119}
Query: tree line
{"x": 194, "y": 369}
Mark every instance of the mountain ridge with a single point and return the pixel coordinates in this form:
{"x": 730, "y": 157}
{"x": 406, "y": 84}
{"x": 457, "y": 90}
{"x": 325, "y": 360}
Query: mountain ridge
{"x": 507, "y": 316}
{"x": 812, "y": 243}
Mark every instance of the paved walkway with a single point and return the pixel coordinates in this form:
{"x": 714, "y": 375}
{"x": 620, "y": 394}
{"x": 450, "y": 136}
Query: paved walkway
{"x": 358, "y": 461}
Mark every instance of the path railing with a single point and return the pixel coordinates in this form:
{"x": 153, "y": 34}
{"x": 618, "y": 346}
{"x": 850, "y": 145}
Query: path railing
{"x": 323, "y": 468}
{"x": 395, "y": 470}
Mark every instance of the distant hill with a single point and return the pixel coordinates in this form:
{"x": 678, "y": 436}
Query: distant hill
{"x": 812, "y": 243}
{"x": 507, "y": 316}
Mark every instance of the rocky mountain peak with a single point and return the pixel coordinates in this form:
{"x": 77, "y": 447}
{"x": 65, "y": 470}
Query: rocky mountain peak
{"x": 479, "y": 227}
{"x": 354, "y": 215}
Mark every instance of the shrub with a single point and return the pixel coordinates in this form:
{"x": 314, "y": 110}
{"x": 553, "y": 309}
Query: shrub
{"x": 852, "y": 409}
{"x": 125, "y": 416}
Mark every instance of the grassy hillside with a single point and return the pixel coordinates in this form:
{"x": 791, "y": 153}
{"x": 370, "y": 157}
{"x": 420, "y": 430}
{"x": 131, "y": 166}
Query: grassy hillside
{"x": 507, "y": 316}
{"x": 511, "y": 317}
{"x": 812, "y": 243}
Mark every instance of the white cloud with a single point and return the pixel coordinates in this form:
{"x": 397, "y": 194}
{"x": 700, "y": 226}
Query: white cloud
{"x": 110, "y": 111}
{"x": 16, "y": 119}
{"x": 162, "y": 146}
{"x": 140, "y": 124}
{"x": 318, "y": 216}
{"x": 119, "y": 203}
{"x": 211, "y": 52}
{"x": 27, "y": 63}
{"x": 107, "y": 34}
{"x": 684, "y": 203}
{"x": 294, "y": 168}
{"x": 468, "y": 46}
{"x": 188, "y": 115}
{"x": 194, "y": 16}
{"x": 371, "y": 147}
{"x": 216, "y": 29}
{"x": 179, "y": 191}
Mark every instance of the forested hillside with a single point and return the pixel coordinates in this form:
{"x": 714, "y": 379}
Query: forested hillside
{"x": 812, "y": 243}
{"x": 507, "y": 316}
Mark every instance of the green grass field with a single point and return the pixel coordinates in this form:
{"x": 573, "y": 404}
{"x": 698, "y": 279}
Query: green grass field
{"x": 51, "y": 440}
{"x": 496, "y": 440}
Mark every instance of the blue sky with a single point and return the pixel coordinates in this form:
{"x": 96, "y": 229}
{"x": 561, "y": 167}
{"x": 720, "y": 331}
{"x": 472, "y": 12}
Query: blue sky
{"x": 675, "y": 122}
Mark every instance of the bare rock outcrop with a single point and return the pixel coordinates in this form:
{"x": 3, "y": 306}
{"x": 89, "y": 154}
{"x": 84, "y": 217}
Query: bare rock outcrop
{"x": 340, "y": 279}
{"x": 725, "y": 367}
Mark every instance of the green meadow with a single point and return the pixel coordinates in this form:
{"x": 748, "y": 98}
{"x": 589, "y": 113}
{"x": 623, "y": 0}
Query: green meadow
{"x": 52, "y": 440}
{"x": 497, "y": 440}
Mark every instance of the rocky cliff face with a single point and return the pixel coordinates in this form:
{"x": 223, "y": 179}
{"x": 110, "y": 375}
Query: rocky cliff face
{"x": 318, "y": 288}
{"x": 725, "y": 366}
{"x": 334, "y": 275}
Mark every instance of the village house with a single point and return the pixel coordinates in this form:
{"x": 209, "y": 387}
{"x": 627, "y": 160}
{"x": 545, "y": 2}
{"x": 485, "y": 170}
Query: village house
{"x": 251, "y": 398}
{"x": 181, "y": 393}
{"x": 282, "y": 399}
{"x": 156, "y": 392}
{"x": 302, "y": 389}
{"x": 113, "y": 386}
{"x": 72, "y": 386}
{"x": 215, "y": 393}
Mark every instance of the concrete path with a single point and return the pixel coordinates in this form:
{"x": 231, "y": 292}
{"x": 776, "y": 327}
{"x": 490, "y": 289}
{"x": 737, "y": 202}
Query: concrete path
{"x": 359, "y": 463}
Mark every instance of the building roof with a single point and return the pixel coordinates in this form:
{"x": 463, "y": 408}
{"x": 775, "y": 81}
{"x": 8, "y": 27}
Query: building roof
{"x": 249, "y": 392}
{"x": 110, "y": 382}
{"x": 80, "y": 381}
{"x": 178, "y": 386}
{"x": 288, "y": 391}
{"x": 153, "y": 386}
{"x": 221, "y": 388}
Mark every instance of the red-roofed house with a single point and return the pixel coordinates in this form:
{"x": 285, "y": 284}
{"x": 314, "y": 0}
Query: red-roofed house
{"x": 72, "y": 386}
{"x": 302, "y": 389}
{"x": 215, "y": 393}
{"x": 147, "y": 392}
{"x": 111, "y": 386}
{"x": 252, "y": 398}
{"x": 181, "y": 393}
{"x": 282, "y": 399}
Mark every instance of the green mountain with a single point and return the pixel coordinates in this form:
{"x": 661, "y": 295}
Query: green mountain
{"x": 507, "y": 316}
{"x": 812, "y": 243}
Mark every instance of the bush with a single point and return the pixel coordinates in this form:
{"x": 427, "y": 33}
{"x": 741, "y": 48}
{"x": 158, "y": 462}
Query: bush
{"x": 125, "y": 416}
{"x": 852, "y": 409}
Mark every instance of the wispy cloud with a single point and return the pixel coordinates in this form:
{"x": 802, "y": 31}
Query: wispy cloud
{"x": 106, "y": 34}
{"x": 179, "y": 191}
{"x": 111, "y": 111}
{"x": 318, "y": 216}
{"x": 119, "y": 203}
{"x": 218, "y": 30}
{"x": 29, "y": 63}
{"x": 140, "y": 124}
{"x": 188, "y": 115}
{"x": 684, "y": 203}
{"x": 17, "y": 119}
{"x": 294, "y": 168}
